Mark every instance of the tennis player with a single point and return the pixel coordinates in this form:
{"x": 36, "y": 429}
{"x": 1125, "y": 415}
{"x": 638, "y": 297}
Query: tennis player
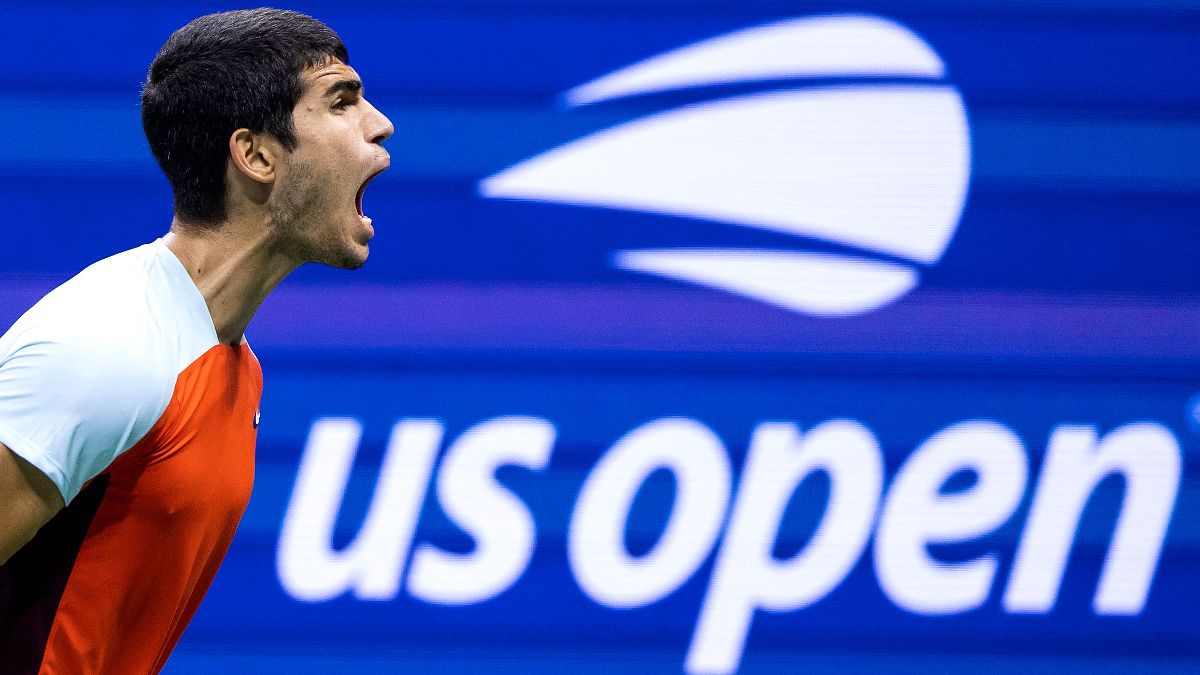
{"x": 128, "y": 395}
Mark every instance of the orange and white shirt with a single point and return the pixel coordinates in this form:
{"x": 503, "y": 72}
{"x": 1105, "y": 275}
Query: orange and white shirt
{"x": 116, "y": 387}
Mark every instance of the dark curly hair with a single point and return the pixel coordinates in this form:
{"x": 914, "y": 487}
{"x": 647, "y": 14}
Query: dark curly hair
{"x": 220, "y": 73}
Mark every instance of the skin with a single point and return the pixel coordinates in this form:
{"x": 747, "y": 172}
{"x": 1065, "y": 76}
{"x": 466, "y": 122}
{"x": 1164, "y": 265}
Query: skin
{"x": 285, "y": 208}
{"x": 30, "y": 499}
{"x": 288, "y": 208}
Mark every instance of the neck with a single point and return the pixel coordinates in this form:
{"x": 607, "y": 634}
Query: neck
{"x": 235, "y": 266}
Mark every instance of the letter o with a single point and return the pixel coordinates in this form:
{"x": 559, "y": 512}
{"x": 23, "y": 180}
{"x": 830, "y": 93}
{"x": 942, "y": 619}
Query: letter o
{"x": 596, "y": 541}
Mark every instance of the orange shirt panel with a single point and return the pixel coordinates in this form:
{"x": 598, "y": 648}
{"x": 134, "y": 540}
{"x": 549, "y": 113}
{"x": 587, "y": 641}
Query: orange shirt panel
{"x": 166, "y": 521}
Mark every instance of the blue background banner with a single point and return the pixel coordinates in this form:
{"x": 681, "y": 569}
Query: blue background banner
{"x": 891, "y": 363}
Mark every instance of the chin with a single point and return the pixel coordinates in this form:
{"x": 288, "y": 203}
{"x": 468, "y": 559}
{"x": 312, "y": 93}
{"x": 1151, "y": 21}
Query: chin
{"x": 354, "y": 259}
{"x": 349, "y": 257}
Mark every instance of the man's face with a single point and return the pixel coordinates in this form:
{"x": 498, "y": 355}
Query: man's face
{"x": 318, "y": 201}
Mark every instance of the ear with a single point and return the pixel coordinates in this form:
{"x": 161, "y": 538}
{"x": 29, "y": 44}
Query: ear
{"x": 255, "y": 155}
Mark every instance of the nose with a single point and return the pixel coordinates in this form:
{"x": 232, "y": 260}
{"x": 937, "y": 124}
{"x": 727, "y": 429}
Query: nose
{"x": 379, "y": 127}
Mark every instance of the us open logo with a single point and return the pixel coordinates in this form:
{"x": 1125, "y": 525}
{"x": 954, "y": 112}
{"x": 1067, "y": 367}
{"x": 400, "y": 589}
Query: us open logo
{"x": 858, "y": 147}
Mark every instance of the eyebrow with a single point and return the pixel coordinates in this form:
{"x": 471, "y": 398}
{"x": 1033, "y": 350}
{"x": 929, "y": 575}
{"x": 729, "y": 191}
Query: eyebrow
{"x": 352, "y": 86}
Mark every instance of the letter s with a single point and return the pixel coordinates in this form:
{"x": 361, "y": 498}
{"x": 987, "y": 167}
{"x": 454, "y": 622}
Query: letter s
{"x": 495, "y": 518}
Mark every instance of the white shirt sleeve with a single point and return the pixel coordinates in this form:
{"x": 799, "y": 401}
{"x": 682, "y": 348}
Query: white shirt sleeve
{"x": 71, "y": 400}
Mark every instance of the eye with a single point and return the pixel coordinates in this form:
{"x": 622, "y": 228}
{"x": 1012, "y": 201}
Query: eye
{"x": 342, "y": 104}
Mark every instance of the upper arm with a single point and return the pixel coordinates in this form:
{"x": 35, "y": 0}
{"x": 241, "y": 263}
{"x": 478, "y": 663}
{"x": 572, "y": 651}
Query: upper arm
{"x": 83, "y": 377}
{"x": 28, "y": 498}
{"x": 71, "y": 402}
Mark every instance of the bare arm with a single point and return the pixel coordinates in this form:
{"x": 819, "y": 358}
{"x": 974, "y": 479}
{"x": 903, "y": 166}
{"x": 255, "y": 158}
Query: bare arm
{"x": 27, "y": 500}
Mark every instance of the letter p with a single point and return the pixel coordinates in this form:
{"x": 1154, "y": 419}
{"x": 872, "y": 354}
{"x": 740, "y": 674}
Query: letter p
{"x": 747, "y": 576}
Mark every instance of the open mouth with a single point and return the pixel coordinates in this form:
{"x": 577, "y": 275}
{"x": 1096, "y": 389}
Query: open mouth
{"x": 358, "y": 199}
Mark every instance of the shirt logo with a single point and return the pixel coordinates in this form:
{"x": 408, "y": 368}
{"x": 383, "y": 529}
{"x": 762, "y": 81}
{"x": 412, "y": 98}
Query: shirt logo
{"x": 856, "y": 146}
{"x": 257, "y": 418}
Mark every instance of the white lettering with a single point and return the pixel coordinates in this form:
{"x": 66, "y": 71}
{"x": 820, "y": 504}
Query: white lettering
{"x": 917, "y": 514}
{"x": 747, "y": 576}
{"x": 596, "y": 545}
{"x": 498, "y": 521}
{"x": 371, "y": 565}
{"x": 1148, "y": 457}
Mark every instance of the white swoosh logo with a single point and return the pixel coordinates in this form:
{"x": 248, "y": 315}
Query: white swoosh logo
{"x": 880, "y": 168}
{"x": 823, "y": 46}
